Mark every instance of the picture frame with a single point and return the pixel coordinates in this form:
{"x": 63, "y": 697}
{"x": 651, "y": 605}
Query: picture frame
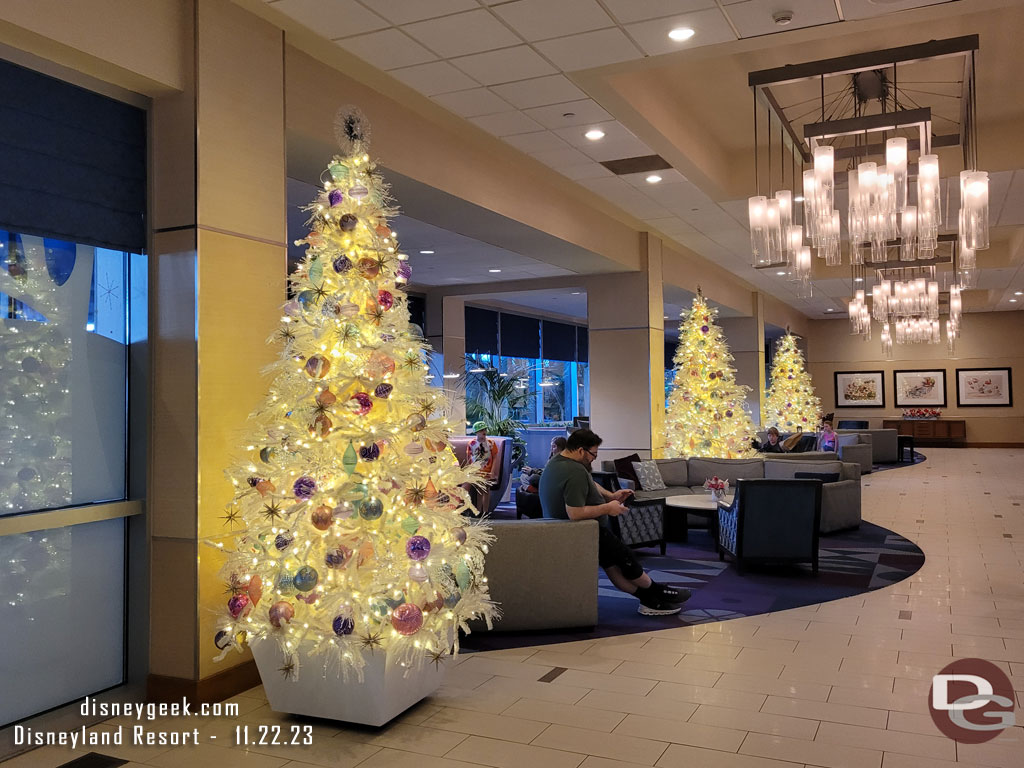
{"x": 984, "y": 387}
{"x": 914, "y": 389}
{"x": 859, "y": 389}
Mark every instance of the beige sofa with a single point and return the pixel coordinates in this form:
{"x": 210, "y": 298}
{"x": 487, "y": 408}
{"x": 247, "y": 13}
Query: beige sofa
{"x": 854, "y": 446}
{"x": 840, "y": 500}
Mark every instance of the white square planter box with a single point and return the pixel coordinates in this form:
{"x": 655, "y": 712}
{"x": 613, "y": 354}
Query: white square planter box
{"x": 387, "y": 689}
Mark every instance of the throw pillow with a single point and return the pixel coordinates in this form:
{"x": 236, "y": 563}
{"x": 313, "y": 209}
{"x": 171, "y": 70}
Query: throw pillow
{"x": 844, "y": 440}
{"x": 648, "y": 475}
{"x": 825, "y": 477}
{"x": 624, "y": 466}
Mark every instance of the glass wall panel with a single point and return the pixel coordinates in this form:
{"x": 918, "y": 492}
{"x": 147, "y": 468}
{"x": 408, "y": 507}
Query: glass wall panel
{"x": 61, "y": 616}
{"x": 63, "y": 370}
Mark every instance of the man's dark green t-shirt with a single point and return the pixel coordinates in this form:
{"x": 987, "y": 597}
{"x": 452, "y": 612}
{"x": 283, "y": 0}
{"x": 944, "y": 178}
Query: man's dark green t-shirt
{"x": 563, "y": 483}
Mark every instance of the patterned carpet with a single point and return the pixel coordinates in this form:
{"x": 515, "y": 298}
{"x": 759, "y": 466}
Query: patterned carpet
{"x": 851, "y": 562}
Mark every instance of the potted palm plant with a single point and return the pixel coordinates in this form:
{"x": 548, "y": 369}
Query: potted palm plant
{"x": 498, "y": 399}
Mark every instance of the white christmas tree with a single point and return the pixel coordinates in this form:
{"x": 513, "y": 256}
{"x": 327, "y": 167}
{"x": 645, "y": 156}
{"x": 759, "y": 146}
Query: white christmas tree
{"x": 791, "y": 401}
{"x": 348, "y": 493}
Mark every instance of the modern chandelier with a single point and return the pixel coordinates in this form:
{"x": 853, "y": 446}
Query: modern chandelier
{"x": 870, "y": 176}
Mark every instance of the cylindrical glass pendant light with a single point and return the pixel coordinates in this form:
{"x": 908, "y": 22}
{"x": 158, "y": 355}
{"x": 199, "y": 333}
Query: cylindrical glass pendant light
{"x": 908, "y": 234}
{"x": 824, "y": 177}
{"x": 896, "y": 164}
{"x": 757, "y": 212}
{"x": 974, "y": 204}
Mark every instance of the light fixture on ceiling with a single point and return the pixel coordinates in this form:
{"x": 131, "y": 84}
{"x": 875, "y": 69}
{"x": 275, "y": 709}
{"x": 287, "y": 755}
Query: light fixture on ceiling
{"x": 594, "y": 134}
{"x": 494, "y": 270}
{"x": 893, "y": 210}
{"x": 679, "y": 34}
{"x": 653, "y": 178}
{"x": 1018, "y": 293}
{"x": 576, "y": 293}
{"x": 829, "y": 309}
{"x": 780, "y": 273}
{"x": 1013, "y": 301}
{"x": 782, "y": 18}
{"x": 455, "y": 375}
{"x": 426, "y": 253}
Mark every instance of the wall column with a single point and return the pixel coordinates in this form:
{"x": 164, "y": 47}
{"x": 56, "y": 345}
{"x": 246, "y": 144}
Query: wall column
{"x": 625, "y": 314}
{"x": 217, "y": 178}
{"x": 745, "y": 336}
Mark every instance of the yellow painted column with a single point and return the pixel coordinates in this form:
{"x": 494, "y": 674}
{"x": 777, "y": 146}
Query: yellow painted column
{"x": 218, "y": 178}
{"x": 625, "y": 313}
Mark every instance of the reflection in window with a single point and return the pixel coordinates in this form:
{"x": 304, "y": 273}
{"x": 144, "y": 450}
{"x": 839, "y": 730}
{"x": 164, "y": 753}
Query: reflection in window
{"x": 63, "y": 335}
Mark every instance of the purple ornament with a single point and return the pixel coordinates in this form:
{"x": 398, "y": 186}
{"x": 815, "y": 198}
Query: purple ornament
{"x": 253, "y": 481}
{"x": 383, "y": 391}
{"x": 358, "y": 192}
{"x": 343, "y": 625}
{"x": 338, "y": 557}
{"x": 348, "y": 222}
{"x": 342, "y": 264}
{"x": 335, "y": 197}
{"x": 369, "y": 452}
{"x": 282, "y": 541}
{"x": 238, "y": 605}
{"x": 704, "y": 329}
{"x": 361, "y": 403}
{"x": 417, "y": 548}
{"x": 304, "y": 487}
{"x": 404, "y": 271}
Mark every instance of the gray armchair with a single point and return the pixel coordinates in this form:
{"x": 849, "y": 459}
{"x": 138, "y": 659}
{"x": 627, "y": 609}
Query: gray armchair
{"x": 771, "y": 521}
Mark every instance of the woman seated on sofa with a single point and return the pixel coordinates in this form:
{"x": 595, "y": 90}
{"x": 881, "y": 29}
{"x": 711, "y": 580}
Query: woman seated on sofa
{"x": 827, "y": 438}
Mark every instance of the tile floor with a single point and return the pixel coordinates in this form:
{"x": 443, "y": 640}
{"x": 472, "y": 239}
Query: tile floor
{"x": 841, "y": 684}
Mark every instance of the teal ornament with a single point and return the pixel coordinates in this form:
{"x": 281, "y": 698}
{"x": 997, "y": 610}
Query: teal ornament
{"x": 394, "y": 602}
{"x": 284, "y": 582}
{"x": 349, "y": 459}
{"x": 316, "y": 270}
{"x": 307, "y": 299}
{"x": 371, "y": 509}
{"x": 338, "y": 171}
{"x": 410, "y": 525}
{"x": 463, "y": 577}
{"x": 305, "y": 578}
{"x": 267, "y": 455}
{"x": 378, "y": 609}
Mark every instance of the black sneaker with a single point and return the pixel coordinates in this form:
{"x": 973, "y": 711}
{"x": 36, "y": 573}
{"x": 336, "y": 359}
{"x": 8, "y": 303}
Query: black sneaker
{"x": 673, "y": 594}
{"x": 653, "y": 605}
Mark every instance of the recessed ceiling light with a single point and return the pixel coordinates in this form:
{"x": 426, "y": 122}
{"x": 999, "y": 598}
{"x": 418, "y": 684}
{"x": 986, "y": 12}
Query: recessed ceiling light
{"x": 858, "y": 279}
{"x": 1018, "y": 293}
{"x": 780, "y": 274}
{"x": 426, "y": 253}
{"x": 830, "y": 310}
{"x": 576, "y": 293}
{"x": 681, "y": 33}
{"x": 594, "y": 134}
{"x": 653, "y": 178}
{"x": 494, "y": 270}
{"x": 1013, "y": 301}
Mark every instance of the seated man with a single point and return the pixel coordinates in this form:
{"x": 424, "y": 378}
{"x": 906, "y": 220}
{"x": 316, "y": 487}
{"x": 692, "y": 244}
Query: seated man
{"x": 568, "y": 492}
{"x": 482, "y": 451}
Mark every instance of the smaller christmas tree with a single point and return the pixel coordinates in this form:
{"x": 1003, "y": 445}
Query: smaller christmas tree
{"x": 705, "y": 415}
{"x": 791, "y": 401}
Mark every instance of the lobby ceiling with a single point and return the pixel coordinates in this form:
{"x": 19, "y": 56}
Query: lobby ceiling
{"x": 538, "y": 74}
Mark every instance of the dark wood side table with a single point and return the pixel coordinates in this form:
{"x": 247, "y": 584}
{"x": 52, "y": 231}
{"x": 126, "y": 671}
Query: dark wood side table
{"x": 904, "y": 442}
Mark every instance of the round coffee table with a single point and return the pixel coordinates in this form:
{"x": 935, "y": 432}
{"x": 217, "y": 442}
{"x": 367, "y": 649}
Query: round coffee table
{"x": 693, "y": 504}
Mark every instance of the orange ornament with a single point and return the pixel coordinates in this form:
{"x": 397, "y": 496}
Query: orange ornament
{"x": 264, "y": 487}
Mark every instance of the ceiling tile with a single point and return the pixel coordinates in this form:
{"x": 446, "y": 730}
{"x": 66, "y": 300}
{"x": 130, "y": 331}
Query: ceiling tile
{"x": 639, "y": 10}
{"x": 1013, "y": 204}
{"x": 343, "y": 18}
{"x": 613, "y": 131}
{"x": 709, "y": 25}
{"x": 862, "y": 9}
{"x": 472, "y": 103}
{"x": 561, "y": 158}
{"x": 435, "y": 77}
{"x": 587, "y": 171}
{"x": 670, "y": 177}
{"x": 540, "y": 91}
{"x": 754, "y": 17}
{"x": 462, "y": 33}
{"x": 590, "y": 49}
{"x": 504, "y": 66}
{"x": 627, "y": 146}
{"x": 543, "y": 19}
{"x": 579, "y": 113}
{"x": 387, "y": 49}
{"x": 539, "y": 141}
{"x": 671, "y": 225}
{"x": 406, "y": 11}
{"x": 505, "y": 123}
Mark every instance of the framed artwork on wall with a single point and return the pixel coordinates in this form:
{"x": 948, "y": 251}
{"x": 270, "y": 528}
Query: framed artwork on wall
{"x": 860, "y": 389}
{"x": 919, "y": 388}
{"x": 983, "y": 387}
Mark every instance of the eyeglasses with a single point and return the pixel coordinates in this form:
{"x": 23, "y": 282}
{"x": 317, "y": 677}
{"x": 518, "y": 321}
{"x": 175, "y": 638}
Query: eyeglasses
{"x": 590, "y": 453}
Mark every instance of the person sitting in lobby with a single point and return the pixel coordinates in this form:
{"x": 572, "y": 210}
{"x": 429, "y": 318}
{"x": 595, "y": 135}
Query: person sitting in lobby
{"x": 827, "y": 439}
{"x": 482, "y": 452}
{"x": 772, "y": 444}
{"x": 530, "y": 478}
{"x": 568, "y": 492}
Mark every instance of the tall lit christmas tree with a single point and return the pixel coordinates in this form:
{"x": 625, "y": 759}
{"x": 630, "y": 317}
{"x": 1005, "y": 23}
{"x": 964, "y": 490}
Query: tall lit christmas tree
{"x": 705, "y": 414}
{"x": 791, "y": 401}
{"x": 348, "y": 494}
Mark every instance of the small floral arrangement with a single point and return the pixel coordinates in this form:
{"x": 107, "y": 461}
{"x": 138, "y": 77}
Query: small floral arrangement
{"x": 921, "y": 413}
{"x": 716, "y": 485}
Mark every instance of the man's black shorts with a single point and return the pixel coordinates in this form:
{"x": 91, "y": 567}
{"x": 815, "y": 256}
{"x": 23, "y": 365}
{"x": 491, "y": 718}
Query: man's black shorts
{"x": 611, "y": 551}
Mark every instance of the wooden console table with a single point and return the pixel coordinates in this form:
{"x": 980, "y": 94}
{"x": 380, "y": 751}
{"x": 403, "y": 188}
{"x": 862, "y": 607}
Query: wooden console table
{"x": 942, "y": 432}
